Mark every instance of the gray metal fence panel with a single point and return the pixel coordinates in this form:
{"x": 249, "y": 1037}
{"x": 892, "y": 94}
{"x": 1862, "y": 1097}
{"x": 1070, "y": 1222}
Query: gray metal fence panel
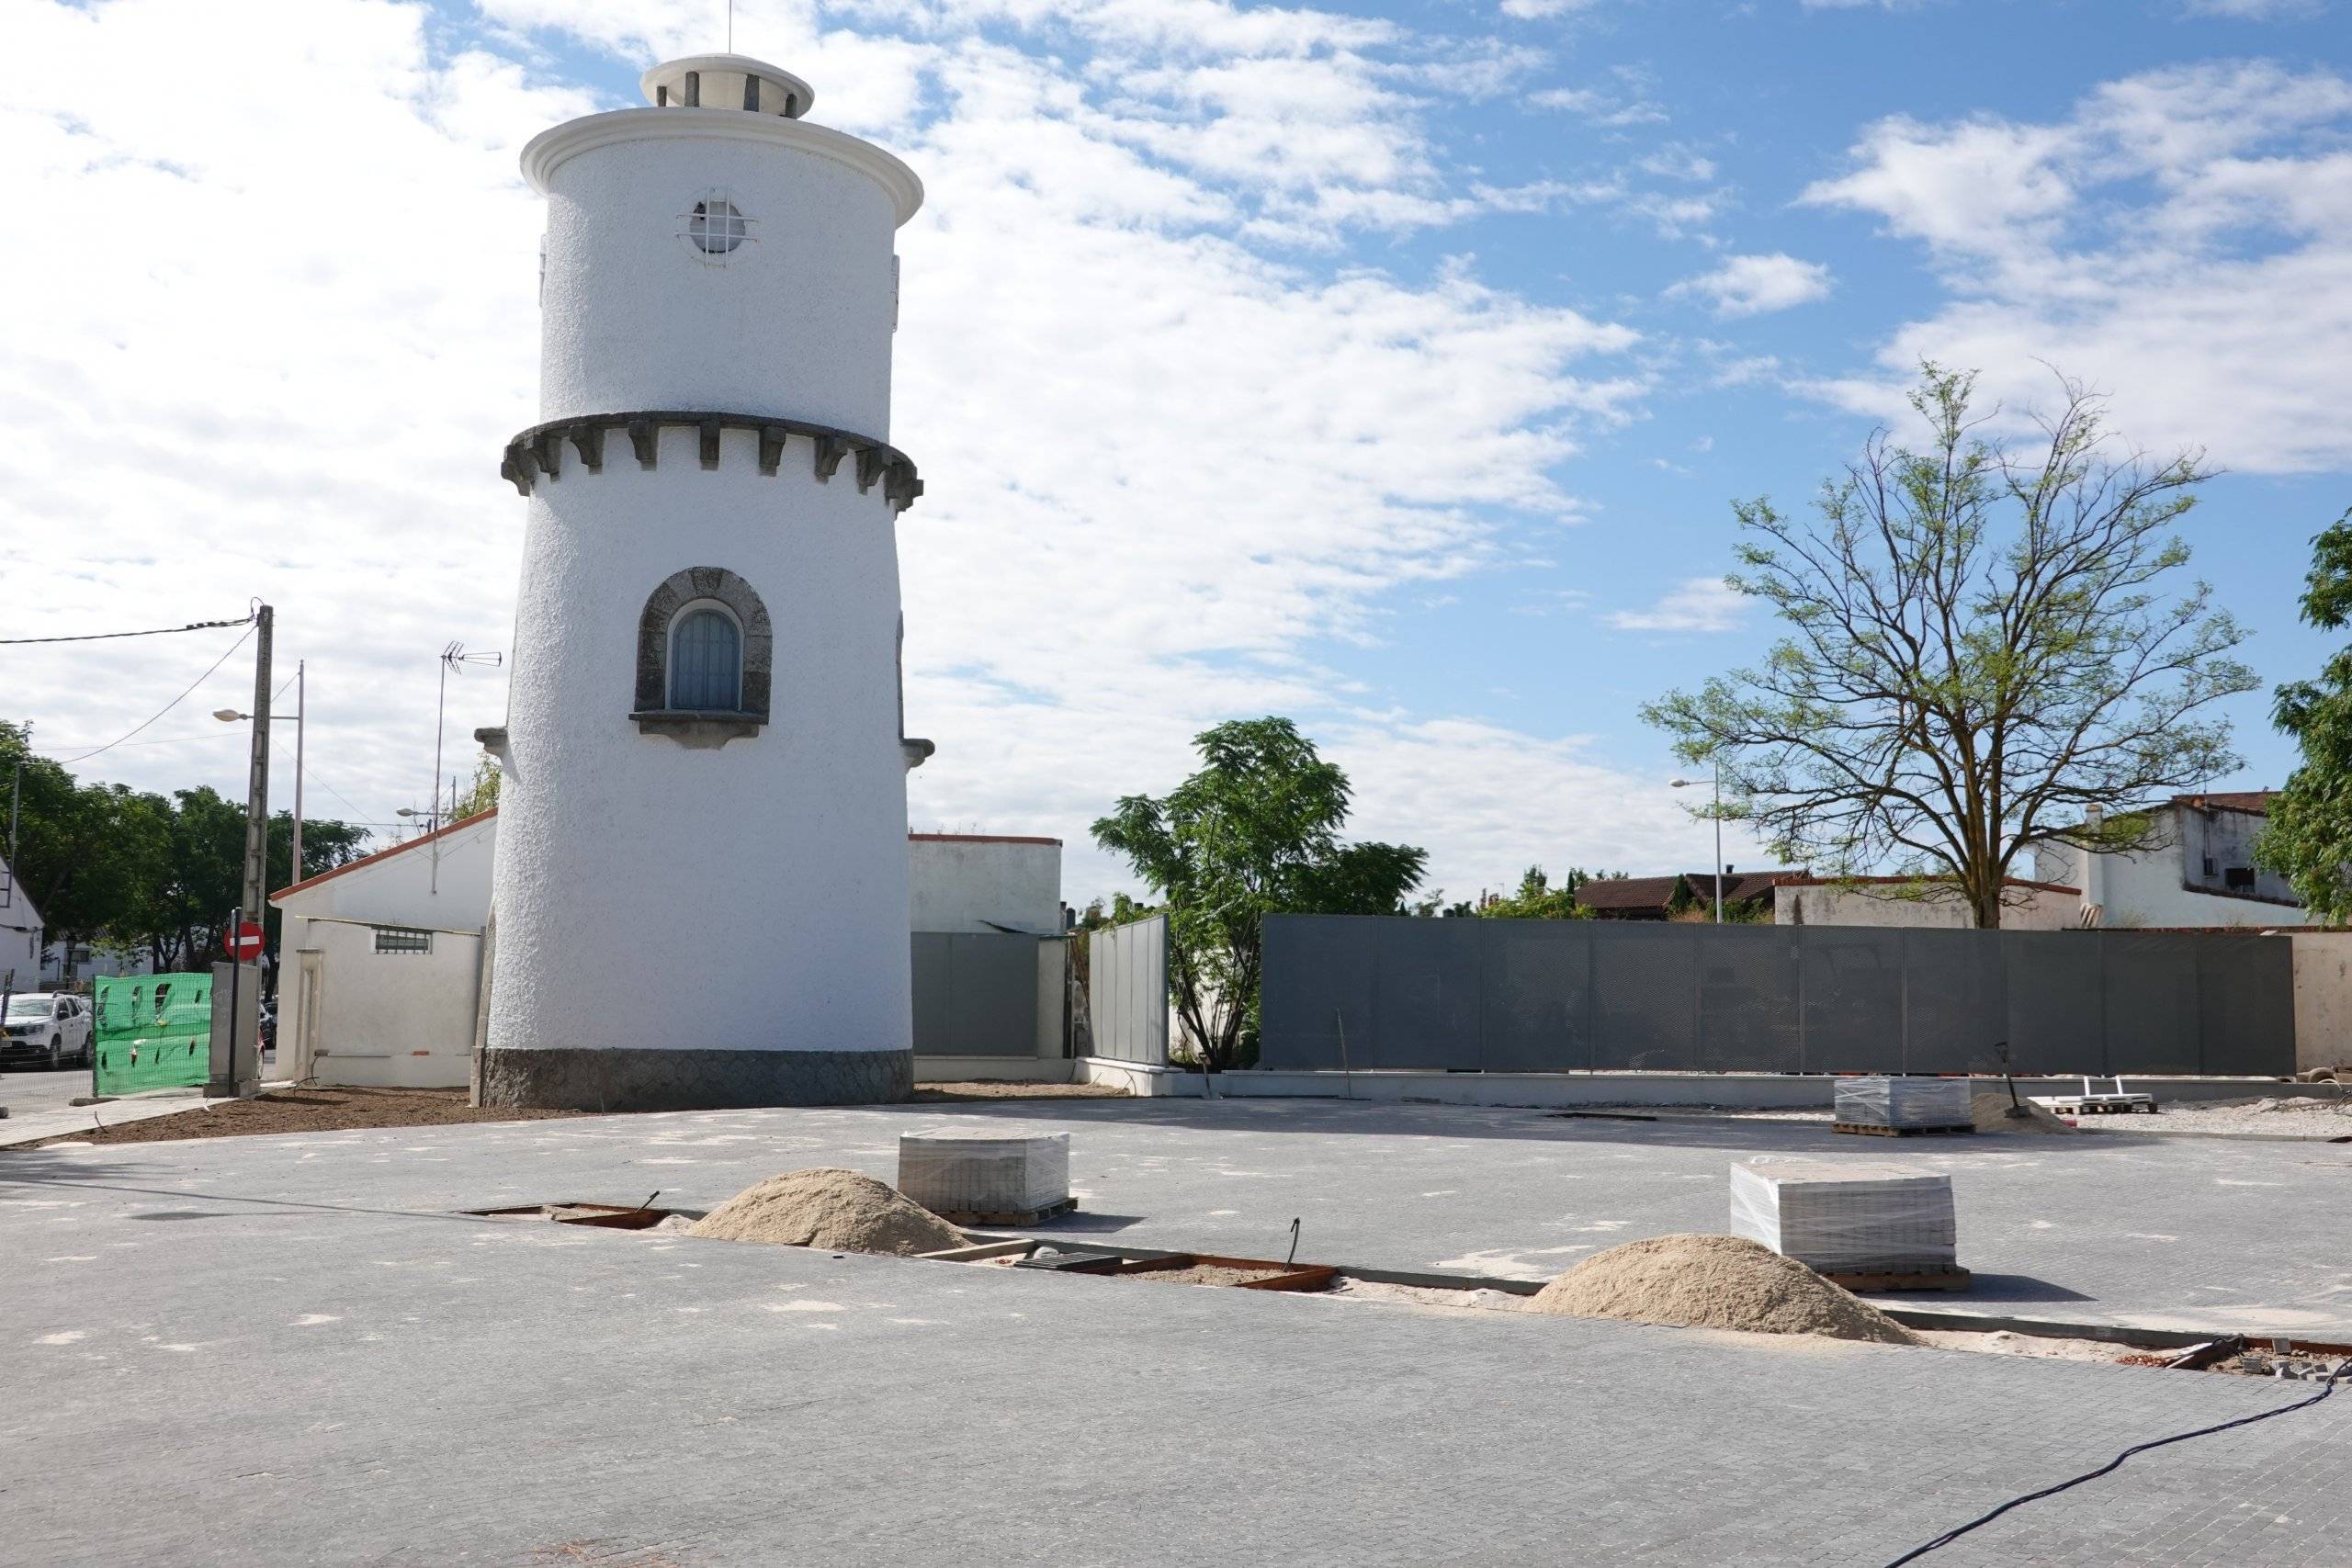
{"x": 1751, "y": 980}
{"x": 2245, "y": 1003}
{"x": 933, "y": 990}
{"x": 2151, "y": 1010}
{"x": 1853, "y": 999}
{"x": 975, "y": 994}
{"x": 1425, "y": 990}
{"x": 1537, "y": 1016}
{"x": 1955, "y": 1002}
{"x": 1518, "y": 996}
{"x": 1645, "y": 998}
{"x": 2057, "y": 1004}
{"x": 1126, "y": 991}
{"x": 1301, "y": 1026}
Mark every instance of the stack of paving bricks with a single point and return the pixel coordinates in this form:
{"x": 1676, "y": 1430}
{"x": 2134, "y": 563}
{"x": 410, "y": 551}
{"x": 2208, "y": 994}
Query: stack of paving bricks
{"x": 1847, "y": 1217}
{"x": 979, "y": 1174}
{"x": 1904, "y": 1103}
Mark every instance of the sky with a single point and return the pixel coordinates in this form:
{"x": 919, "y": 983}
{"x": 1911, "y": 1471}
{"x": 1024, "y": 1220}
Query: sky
{"x": 1391, "y": 366}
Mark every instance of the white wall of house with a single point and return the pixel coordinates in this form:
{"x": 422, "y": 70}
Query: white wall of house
{"x": 19, "y": 931}
{"x": 2157, "y": 887}
{"x": 349, "y": 1015}
{"x": 959, "y": 882}
{"x": 398, "y": 1018}
{"x": 1933, "y": 905}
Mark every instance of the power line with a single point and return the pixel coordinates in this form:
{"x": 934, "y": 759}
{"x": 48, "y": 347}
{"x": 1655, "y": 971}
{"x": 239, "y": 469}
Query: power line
{"x": 176, "y": 701}
{"x": 152, "y": 631}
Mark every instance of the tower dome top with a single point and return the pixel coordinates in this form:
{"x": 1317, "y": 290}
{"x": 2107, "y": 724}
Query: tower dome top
{"x": 726, "y": 82}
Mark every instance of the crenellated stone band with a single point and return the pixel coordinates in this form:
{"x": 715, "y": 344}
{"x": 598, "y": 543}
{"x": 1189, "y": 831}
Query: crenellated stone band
{"x": 539, "y": 450}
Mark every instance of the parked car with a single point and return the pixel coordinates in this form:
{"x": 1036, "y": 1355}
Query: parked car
{"x": 48, "y": 1028}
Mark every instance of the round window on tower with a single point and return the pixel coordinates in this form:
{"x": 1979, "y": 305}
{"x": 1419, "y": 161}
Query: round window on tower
{"x": 715, "y": 226}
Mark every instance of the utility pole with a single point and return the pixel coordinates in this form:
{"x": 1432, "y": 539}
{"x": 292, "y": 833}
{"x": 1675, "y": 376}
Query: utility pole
{"x": 256, "y": 880}
{"x": 302, "y": 696}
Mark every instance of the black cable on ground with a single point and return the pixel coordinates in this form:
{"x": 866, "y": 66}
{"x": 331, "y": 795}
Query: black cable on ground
{"x": 152, "y": 631}
{"x": 2114, "y": 1464}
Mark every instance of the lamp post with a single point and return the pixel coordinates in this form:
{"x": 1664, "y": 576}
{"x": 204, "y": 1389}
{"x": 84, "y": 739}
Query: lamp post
{"x": 1718, "y": 815}
{"x": 302, "y": 703}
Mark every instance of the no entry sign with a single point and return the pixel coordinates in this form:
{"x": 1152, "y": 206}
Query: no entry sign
{"x": 244, "y": 943}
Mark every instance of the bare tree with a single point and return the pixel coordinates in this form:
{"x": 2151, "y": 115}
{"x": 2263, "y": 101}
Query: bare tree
{"x": 1980, "y": 647}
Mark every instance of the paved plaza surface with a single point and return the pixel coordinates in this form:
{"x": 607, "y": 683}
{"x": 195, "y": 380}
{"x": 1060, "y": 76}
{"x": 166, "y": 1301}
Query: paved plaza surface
{"x": 290, "y": 1350}
{"x": 2180, "y": 1234}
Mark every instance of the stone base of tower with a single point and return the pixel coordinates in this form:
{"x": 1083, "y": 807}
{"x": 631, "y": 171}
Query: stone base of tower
{"x": 657, "y": 1079}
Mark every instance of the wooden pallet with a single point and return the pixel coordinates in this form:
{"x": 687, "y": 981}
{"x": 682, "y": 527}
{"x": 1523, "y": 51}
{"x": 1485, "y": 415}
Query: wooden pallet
{"x": 1868, "y": 1131}
{"x": 1952, "y": 1279}
{"x": 2097, "y": 1107}
{"x": 1008, "y": 1216}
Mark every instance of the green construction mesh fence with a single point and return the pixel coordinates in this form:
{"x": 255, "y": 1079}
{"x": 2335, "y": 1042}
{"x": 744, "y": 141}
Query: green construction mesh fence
{"x": 153, "y": 1032}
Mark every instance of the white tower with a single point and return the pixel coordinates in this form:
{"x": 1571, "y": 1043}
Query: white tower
{"x": 701, "y": 884}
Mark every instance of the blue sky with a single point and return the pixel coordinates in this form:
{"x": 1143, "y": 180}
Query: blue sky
{"x": 1390, "y": 366}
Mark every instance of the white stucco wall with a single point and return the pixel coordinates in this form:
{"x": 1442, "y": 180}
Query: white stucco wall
{"x": 397, "y": 886}
{"x": 970, "y": 882}
{"x": 20, "y": 941}
{"x": 403, "y": 1020}
{"x": 764, "y": 881}
{"x": 401, "y": 886}
{"x": 625, "y": 854}
{"x": 2146, "y": 890}
{"x": 795, "y": 321}
{"x": 2322, "y": 999}
{"x": 2028, "y": 909}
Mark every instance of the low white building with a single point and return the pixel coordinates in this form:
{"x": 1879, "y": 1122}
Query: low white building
{"x": 1917, "y": 903}
{"x": 383, "y": 959}
{"x": 382, "y": 962}
{"x": 2199, "y": 874}
{"x": 20, "y": 932}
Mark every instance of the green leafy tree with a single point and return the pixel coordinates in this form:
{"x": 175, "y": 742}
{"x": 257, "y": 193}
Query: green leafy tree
{"x": 1981, "y": 644}
{"x": 82, "y": 851}
{"x": 1539, "y": 899}
{"x": 1254, "y": 832}
{"x": 479, "y": 795}
{"x": 179, "y": 912}
{"x": 2308, "y": 836}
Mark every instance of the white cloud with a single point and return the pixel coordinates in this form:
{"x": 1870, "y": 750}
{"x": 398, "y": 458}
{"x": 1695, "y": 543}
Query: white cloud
{"x": 2178, "y": 240}
{"x": 1694, "y": 605}
{"x": 1163, "y": 458}
{"x": 1529, "y": 10}
{"x": 2254, "y": 10}
{"x": 1752, "y": 285}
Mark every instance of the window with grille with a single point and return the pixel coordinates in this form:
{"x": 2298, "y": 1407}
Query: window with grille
{"x": 393, "y": 939}
{"x": 706, "y": 663}
{"x": 714, "y": 225}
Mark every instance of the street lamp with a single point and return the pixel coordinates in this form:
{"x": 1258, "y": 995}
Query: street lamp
{"x": 302, "y": 697}
{"x": 1718, "y": 815}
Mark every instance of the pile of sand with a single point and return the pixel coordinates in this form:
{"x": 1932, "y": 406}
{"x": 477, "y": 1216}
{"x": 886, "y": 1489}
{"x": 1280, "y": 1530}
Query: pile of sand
{"x": 835, "y": 1210}
{"x": 1713, "y": 1281}
{"x": 1991, "y": 1113}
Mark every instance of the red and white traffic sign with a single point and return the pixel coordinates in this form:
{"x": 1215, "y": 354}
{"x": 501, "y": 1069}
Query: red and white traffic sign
{"x": 244, "y": 943}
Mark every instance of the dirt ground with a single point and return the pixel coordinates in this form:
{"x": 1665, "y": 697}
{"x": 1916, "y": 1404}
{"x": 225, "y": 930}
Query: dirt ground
{"x": 305, "y": 1111}
{"x": 992, "y": 1090}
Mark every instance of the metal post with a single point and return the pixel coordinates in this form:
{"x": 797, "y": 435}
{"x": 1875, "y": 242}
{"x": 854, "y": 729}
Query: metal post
{"x": 1719, "y": 840}
{"x": 257, "y": 879}
{"x": 301, "y": 709}
{"x": 224, "y": 1083}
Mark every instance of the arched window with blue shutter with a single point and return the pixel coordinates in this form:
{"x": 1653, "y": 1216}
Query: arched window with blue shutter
{"x": 706, "y": 662}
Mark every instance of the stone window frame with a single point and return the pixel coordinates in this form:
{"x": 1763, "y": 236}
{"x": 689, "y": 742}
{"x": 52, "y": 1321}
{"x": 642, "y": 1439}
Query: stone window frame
{"x": 696, "y": 587}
